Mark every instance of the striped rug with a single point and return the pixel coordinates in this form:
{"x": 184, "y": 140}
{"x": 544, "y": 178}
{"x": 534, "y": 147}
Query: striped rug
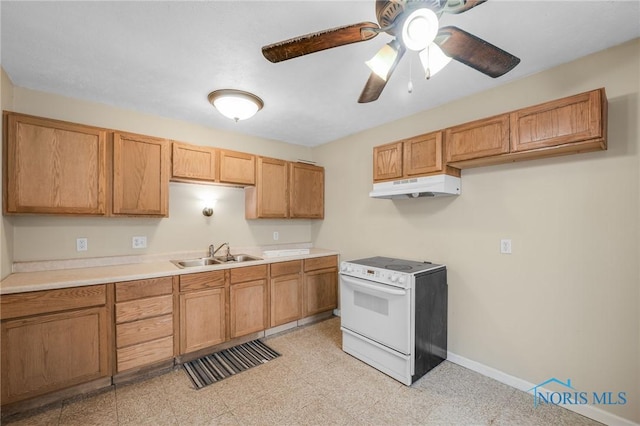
{"x": 220, "y": 365}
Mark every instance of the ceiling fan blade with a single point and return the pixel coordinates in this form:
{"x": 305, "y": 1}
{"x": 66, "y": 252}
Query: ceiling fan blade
{"x": 372, "y": 89}
{"x": 322, "y": 40}
{"x": 475, "y": 52}
{"x": 459, "y": 6}
{"x": 375, "y": 84}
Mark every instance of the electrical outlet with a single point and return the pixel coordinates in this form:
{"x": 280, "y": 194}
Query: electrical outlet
{"x": 505, "y": 246}
{"x": 276, "y": 235}
{"x": 82, "y": 244}
{"x": 139, "y": 242}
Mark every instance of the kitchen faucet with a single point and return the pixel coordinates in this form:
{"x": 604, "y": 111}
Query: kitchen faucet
{"x": 212, "y": 251}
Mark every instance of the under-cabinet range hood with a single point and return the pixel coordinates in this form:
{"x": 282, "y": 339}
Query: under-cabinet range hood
{"x": 427, "y": 186}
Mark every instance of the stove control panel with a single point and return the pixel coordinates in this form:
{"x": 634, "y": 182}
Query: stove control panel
{"x": 394, "y": 278}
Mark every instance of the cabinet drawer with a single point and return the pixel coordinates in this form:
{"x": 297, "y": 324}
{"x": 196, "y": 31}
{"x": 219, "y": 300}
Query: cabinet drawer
{"x": 48, "y": 301}
{"x": 143, "y": 308}
{"x": 286, "y": 268}
{"x": 249, "y": 273}
{"x": 320, "y": 263}
{"x": 145, "y": 353}
{"x": 131, "y": 290}
{"x": 145, "y": 330}
{"x": 201, "y": 281}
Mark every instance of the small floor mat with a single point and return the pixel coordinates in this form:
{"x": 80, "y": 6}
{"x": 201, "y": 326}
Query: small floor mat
{"x": 228, "y": 362}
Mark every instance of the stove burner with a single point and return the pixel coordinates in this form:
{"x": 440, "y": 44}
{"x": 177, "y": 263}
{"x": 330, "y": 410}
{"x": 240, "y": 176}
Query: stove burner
{"x": 398, "y": 267}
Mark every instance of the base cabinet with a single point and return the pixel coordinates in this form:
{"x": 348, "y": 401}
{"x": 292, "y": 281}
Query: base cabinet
{"x": 202, "y": 311}
{"x": 248, "y": 300}
{"x": 52, "y": 340}
{"x": 57, "y": 343}
{"x": 320, "y": 291}
{"x": 144, "y": 323}
{"x": 285, "y": 292}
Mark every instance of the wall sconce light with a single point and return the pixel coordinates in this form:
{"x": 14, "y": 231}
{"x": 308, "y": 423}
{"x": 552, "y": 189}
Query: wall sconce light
{"x": 207, "y": 211}
{"x": 209, "y": 204}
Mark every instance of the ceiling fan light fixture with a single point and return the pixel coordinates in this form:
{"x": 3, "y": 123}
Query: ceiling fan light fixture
{"x": 433, "y": 60}
{"x": 235, "y": 104}
{"x": 419, "y": 29}
{"x": 382, "y": 63}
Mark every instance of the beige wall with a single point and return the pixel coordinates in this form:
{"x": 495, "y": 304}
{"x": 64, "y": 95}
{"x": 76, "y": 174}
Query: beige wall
{"x": 6, "y": 225}
{"x": 46, "y": 237}
{"x": 565, "y": 304}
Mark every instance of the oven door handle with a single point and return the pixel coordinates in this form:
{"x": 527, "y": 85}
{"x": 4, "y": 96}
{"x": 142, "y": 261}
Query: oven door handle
{"x": 382, "y": 288}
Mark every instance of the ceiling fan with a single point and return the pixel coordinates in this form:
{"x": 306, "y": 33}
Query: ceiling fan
{"x": 414, "y": 25}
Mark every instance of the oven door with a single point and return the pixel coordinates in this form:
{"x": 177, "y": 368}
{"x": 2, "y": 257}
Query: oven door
{"x": 377, "y": 311}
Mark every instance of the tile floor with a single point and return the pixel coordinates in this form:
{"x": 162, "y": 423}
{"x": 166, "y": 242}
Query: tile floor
{"x": 312, "y": 383}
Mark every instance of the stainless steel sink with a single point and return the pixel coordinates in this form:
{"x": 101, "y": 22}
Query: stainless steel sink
{"x": 191, "y": 263}
{"x": 236, "y": 258}
{"x": 218, "y": 260}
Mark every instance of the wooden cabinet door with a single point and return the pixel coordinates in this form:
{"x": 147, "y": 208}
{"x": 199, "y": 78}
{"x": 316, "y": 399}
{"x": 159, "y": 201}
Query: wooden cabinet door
{"x": 202, "y": 319}
{"x": 140, "y": 175}
{"x": 306, "y": 191}
{"x": 54, "y": 167}
{"x": 193, "y": 162}
{"x": 45, "y": 353}
{"x": 248, "y": 307}
{"x": 320, "y": 291}
{"x": 387, "y": 161}
{"x": 286, "y": 299}
{"x": 269, "y": 198}
{"x": 481, "y": 138}
{"x": 237, "y": 167}
{"x": 568, "y": 120}
{"x": 422, "y": 154}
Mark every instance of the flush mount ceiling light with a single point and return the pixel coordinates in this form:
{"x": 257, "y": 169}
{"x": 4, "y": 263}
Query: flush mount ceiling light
{"x": 235, "y": 104}
{"x": 419, "y": 29}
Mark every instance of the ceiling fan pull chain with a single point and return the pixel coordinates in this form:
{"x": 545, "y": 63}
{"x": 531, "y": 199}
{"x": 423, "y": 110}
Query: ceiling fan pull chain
{"x": 427, "y": 71}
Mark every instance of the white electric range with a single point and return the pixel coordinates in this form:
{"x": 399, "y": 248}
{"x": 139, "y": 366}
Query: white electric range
{"x": 394, "y": 315}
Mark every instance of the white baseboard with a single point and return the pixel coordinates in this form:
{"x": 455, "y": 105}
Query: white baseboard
{"x": 590, "y": 411}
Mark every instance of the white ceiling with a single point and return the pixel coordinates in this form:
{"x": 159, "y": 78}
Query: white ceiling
{"x": 164, "y": 58}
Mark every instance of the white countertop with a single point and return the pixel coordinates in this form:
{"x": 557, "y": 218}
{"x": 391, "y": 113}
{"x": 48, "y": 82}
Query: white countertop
{"x": 20, "y": 282}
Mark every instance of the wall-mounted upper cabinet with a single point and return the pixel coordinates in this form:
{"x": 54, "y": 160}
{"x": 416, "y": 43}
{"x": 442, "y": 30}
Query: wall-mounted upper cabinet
{"x": 564, "y": 126}
{"x": 421, "y": 155}
{"x": 387, "y": 161}
{"x": 193, "y": 162}
{"x": 579, "y": 118}
{"x": 54, "y": 167}
{"x": 306, "y": 191}
{"x": 285, "y": 190}
{"x": 237, "y": 167}
{"x": 269, "y": 197}
{"x": 478, "y": 139}
{"x": 140, "y": 175}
